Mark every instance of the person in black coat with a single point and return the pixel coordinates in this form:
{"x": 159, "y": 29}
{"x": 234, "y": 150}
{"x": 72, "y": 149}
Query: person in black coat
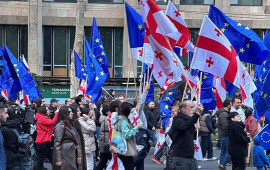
{"x": 151, "y": 121}
{"x": 238, "y": 141}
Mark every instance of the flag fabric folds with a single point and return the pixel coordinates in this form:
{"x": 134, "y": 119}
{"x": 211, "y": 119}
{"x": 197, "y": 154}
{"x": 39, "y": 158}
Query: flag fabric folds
{"x": 80, "y": 71}
{"x": 248, "y": 45}
{"x": 96, "y": 75}
{"x": 264, "y": 137}
{"x": 98, "y": 49}
{"x": 28, "y": 85}
{"x": 220, "y": 92}
{"x": 146, "y": 77}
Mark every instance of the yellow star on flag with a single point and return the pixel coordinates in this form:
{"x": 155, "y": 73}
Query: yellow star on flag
{"x": 242, "y": 50}
{"x": 102, "y": 53}
{"x": 15, "y": 65}
{"x": 246, "y": 28}
{"x": 97, "y": 40}
{"x": 170, "y": 93}
{"x": 248, "y": 45}
{"x": 167, "y": 98}
{"x": 226, "y": 24}
{"x": 260, "y": 79}
{"x": 251, "y": 40}
{"x": 17, "y": 70}
{"x": 84, "y": 74}
{"x": 82, "y": 69}
{"x": 265, "y": 95}
{"x": 97, "y": 78}
{"x": 239, "y": 24}
{"x": 223, "y": 29}
{"x": 204, "y": 76}
{"x": 102, "y": 73}
{"x": 100, "y": 59}
{"x": 140, "y": 27}
{"x": 264, "y": 70}
{"x": 261, "y": 93}
{"x": 166, "y": 107}
{"x": 264, "y": 62}
{"x": 101, "y": 46}
{"x": 92, "y": 65}
{"x": 255, "y": 80}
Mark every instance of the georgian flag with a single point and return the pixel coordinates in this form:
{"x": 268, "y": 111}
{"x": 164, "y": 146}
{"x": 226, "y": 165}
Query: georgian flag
{"x": 4, "y": 93}
{"x": 82, "y": 89}
{"x": 24, "y": 99}
{"x": 134, "y": 118}
{"x": 160, "y": 140}
{"x": 115, "y": 164}
{"x": 198, "y": 151}
{"x": 220, "y": 93}
{"x": 215, "y": 54}
{"x": 176, "y": 18}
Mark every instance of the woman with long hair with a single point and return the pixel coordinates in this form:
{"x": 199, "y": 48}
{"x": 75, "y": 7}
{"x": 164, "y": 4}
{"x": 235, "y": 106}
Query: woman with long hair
{"x": 45, "y": 127}
{"x": 123, "y": 125}
{"x": 67, "y": 153}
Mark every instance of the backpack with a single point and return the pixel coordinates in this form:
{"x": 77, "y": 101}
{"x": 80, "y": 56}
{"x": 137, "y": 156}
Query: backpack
{"x": 26, "y": 150}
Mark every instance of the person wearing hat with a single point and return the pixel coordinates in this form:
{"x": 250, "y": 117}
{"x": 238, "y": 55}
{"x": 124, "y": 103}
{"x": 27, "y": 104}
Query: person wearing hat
{"x": 36, "y": 103}
{"x": 53, "y": 107}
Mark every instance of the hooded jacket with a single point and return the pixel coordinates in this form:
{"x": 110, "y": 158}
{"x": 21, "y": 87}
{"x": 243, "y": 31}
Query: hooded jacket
{"x": 45, "y": 127}
{"x": 259, "y": 157}
{"x": 222, "y": 123}
{"x": 238, "y": 139}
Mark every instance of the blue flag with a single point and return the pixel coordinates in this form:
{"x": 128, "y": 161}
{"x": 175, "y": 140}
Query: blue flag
{"x": 136, "y": 30}
{"x": 264, "y": 137}
{"x": 98, "y": 49}
{"x": 262, "y": 70}
{"x": 96, "y": 76}
{"x": 80, "y": 71}
{"x": 248, "y": 45}
{"x": 6, "y": 81}
{"x": 150, "y": 96}
{"x": 25, "y": 79}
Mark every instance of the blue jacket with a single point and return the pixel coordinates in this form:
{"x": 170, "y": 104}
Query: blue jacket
{"x": 259, "y": 157}
{"x": 3, "y": 156}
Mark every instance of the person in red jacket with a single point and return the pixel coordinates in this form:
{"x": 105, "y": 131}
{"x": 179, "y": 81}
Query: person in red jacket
{"x": 45, "y": 127}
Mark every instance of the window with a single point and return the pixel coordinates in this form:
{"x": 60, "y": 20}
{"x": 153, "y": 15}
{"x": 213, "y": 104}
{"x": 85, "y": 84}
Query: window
{"x": 107, "y": 1}
{"x": 15, "y": 38}
{"x": 196, "y": 2}
{"x": 66, "y": 1}
{"x": 246, "y": 2}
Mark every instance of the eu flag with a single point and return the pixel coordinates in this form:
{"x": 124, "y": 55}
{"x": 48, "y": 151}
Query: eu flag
{"x": 98, "y": 49}
{"x": 6, "y": 81}
{"x": 264, "y": 137}
{"x": 262, "y": 70}
{"x": 248, "y": 45}
{"x": 80, "y": 71}
{"x": 28, "y": 85}
{"x": 146, "y": 77}
{"x": 96, "y": 76}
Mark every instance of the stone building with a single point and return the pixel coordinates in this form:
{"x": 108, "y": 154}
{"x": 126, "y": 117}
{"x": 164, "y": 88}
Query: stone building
{"x": 43, "y": 30}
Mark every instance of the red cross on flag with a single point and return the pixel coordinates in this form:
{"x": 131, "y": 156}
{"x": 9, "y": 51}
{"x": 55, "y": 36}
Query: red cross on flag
{"x": 220, "y": 94}
{"x": 4, "y": 93}
{"x": 176, "y": 18}
{"x": 198, "y": 151}
{"x": 161, "y": 32}
{"x": 134, "y": 118}
{"x": 82, "y": 89}
{"x": 160, "y": 140}
{"x": 145, "y": 54}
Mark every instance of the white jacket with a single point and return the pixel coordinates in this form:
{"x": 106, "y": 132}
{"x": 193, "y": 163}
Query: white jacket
{"x": 88, "y": 130}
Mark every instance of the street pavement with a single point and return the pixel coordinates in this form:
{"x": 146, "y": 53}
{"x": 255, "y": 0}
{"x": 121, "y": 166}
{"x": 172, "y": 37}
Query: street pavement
{"x": 205, "y": 165}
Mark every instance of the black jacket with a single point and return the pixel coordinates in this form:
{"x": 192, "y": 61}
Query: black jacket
{"x": 151, "y": 118}
{"x": 222, "y": 123}
{"x": 11, "y": 141}
{"x": 238, "y": 139}
{"x": 182, "y": 135}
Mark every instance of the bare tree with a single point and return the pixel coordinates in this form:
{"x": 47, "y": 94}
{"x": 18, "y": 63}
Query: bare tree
{"x": 78, "y": 45}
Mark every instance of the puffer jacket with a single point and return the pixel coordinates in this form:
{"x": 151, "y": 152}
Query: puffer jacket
{"x": 45, "y": 127}
{"x": 259, "y": 157}
{"x": 88, "y": 130}
{"x": 104, "y": 133}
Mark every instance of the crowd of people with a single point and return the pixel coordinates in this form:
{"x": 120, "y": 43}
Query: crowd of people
{"x": 78, "y": 134}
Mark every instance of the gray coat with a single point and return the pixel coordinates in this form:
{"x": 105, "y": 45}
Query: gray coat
{"x": 222, "y": 123}
{"x": 104, "y": 134}
{"x": 65, "y": 147}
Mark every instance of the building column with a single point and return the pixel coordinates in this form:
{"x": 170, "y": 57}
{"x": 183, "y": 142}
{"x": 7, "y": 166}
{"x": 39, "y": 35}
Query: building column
{"x": 266, "y": 6}
{"x": 35, "y": 52}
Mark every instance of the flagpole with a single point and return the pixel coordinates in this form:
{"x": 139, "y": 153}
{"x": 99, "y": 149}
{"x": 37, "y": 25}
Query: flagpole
{"x": 199, "y": 100}
{"x": 107, "y": 92}
{"x": 127, "y": 84}
{"x": 135, "y": 82}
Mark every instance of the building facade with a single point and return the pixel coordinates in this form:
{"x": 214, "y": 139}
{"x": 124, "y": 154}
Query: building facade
{"x": 44, "y": 31}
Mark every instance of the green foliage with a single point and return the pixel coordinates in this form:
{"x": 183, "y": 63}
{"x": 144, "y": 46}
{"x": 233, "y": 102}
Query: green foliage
{"x": 38, "y": 80}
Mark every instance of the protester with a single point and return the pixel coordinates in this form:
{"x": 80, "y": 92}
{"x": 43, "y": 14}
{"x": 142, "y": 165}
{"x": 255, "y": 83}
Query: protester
{"x": 67, "y": 155}
{"x": 121, "y": 98}
{"x": 104, "y": 146}
{"x": 123, "y": 125}
{"x": 110, "y": 97}
{"x": 36, "y": 103}
{"x": 81, "y": 101}
{"x": 206, "y": 129}
{"x": 3, "y": 119}
{"x": 87, "y": 121}
{"x": 222, "y": 124}
{"x": 238, "y": 141}
{"x": 45, "y": 127}
{"x": 11, "y": 140}
{"x": 53, "y": 107}
{"x": 260, "y": 159}
{"x": 68, "y": 102}
{"x": 151, "y": 121}
{"x": 252, "y": 130}
{"x": 182, "y": 135}
{"x": 237, "y": 107}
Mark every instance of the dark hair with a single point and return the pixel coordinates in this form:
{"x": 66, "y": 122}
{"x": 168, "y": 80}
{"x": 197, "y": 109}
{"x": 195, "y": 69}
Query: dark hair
{"x": 85, "y": 111}
{"x": 135, "y": 102}
{"x": 63, "y": 115}
{"x": 2, "y": 107}
{"x": 124, "y": 109}
{"x": 42, "y": 110}
{"x": 232, "y": 115}
{"x": 78, "y": 99}
{"x": 11, "y": 113}
{"x": 248, "y": 112}
{"x": 66, "y": 101}
{"x": 111, "y": 92}
{"x": 113, "y": 105}
{"x": 176, "y": 102}
{"x": 105, "y": 109}
{"x": 74, "y": 108}
{"x": 183, "y": 104}
{"x": 226, "y": 103}
{"x": 234, "y": 98}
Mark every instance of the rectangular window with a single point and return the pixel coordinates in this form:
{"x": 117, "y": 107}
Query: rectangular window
{"x": 60, "y": 47}
{"x": 106, "y": 1}
{"x": 197, "y": 2}
{"x": 246, "y": 2}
